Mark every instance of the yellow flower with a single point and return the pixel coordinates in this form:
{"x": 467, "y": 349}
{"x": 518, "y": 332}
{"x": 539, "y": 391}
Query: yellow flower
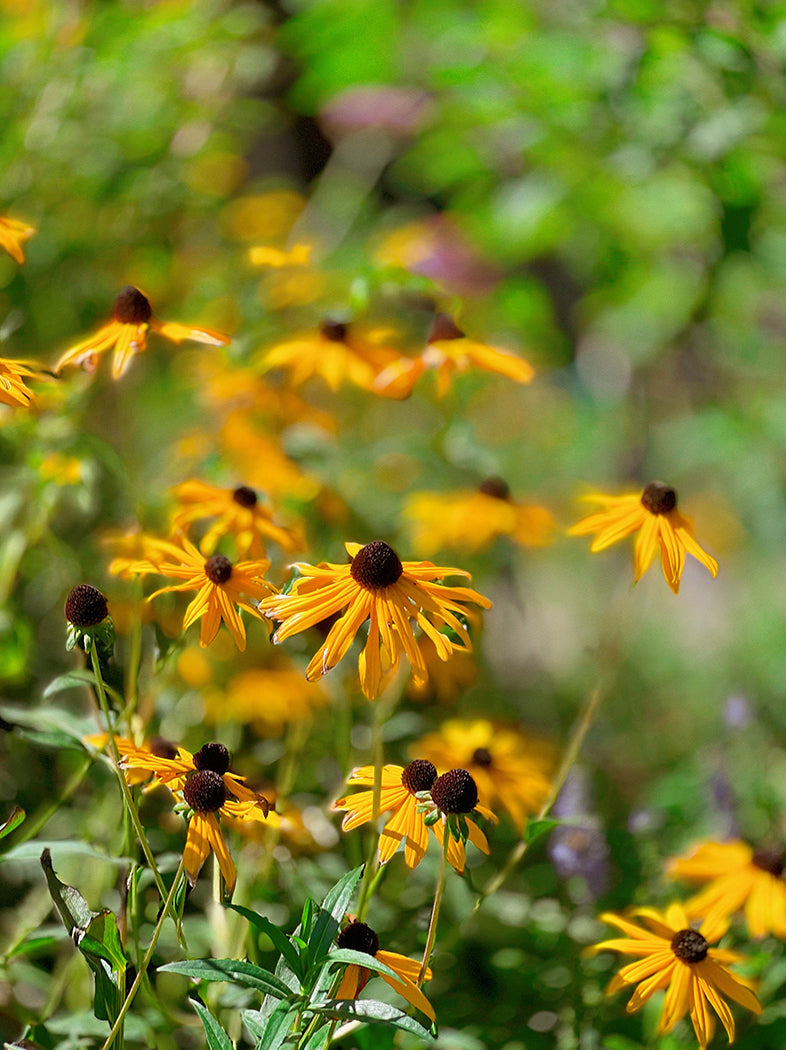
{"x": 507, "y": 766}
{"x": 448, "y": 352}
{"x": 400, "y": 787}
{"x": 447, "y": 679}
{"x": 673, "y": 956}
{"x": 738, "y": 877}
{"x": 239, "y": 513}
{"x": 470, "y": 521}
{"x": 221, "y": 585}
{"x": 361, "y": 938}
{"x": 203, "y": 780}
{"x": 336, "y": 352}
{"x": 13, "y": 235}
{"x": 63, "y": 470}
{"x": 12, "y": 383}
{"x": 257, "y": 457}
{"x": 269, "y": 698}
{"x": 156, "y": 747}
{"x": 132, "y": 316}
{"x": 654, "y": 515}
{"x": 265, "y": 255}
{"x": 390, "y": 594}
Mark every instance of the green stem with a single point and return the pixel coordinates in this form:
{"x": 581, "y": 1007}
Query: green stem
{"x": 128, "y": 798}
{"x": 431, "y": 936}
{"x": 132, "y": 670}
{"x": 168, "y": 907}
{"x": 372, "y": 860}
{"x": 576, "y": 739}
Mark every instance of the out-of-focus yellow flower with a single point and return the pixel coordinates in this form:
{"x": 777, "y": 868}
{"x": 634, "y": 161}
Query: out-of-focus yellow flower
{"x": 13, "y": 235}
{"x": 449, "y": 352}
{"x": 337, "y": 352}
{"x": 267, "y": 698}
{"x": 239, "y": 513}
{"x": 375, "y": 586}
{"x": 257, "y": 457}
{"x": 12, "y": 383}
{"x": 263, "y": 216}
{"x": 194, "y": 667}
{"x": 470, "y": 521}
{"x": 654, "y": 515}
{"x": 132, "y": 317}
{"x": 64, "y": 470}
{"x": 265, "y": 255}
{"x": 508, "y": 766}
{"x": 447, "y": 679}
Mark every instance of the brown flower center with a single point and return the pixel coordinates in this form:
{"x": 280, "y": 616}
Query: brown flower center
{"x": 443, "y": 327}
{"x": 659, "y": 498}
{"x": 455, "y": 792}
{"x": 162, "y": 748}
{"x": 376, "y": 566}
{"x": 335, "y": 331}
{"x": 245, "y": 496}
{"x": 204, "y": 791}
{"x": 481, "y": 756}
{"x": 212, "y": 756}
{"x": 689, "y": 945}
{"x": 85, "y": 606}
{"x": 770, "y": 859}
{"x": 218, "y": 568}
{"x": 360, "y": 938}
{"x": 131, "y": 307}
{"x": 418, "y": 776}
{"x": 496, "y": 487}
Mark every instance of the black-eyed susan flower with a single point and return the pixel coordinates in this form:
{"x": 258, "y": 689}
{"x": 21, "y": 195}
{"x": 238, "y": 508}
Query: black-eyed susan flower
{"x": 738, "y": 878}
{"x": 13, "y": 235}
{"x": 132, "y": 318}
{"x": 508, "y": 766}
{"x": 337, "y": 351}
{"x": 89, "y": 622}
{"x": 204, "y": 783}
{"x": 402, "y": 796}
{"x": 361, "y": 938}
{"x": 673, "y": 955}
{"x": 375, "y": 586}
{"x": 470, "y": 521}
{"x": 661, "y": 527}
{"x": 238, "y": 511}
{"x": 449, "y": 352}
{"x": 268, "y": 698}
{"x": 221, "y": 585}
{"x": 156, "y": 746}
{"x": 12, "y": 383}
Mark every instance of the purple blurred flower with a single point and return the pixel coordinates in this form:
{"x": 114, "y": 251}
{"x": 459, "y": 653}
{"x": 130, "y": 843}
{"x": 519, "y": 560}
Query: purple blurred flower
{"x": 581, "y": 850}
{"x": 396, "y": 110}
{"x": 737, "y": 713}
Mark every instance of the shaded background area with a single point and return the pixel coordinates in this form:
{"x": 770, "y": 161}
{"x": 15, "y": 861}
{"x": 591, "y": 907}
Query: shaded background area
{"x": 599, "y": 187}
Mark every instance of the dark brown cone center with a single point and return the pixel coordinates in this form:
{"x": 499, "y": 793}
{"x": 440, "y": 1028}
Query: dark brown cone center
{"x": 85, "y": 606}
{"x": 212, "y": 756}
{"x": 689, "y": 945}
{"x": 481, "y": 756}
{"x": 360, "y": 938}
{"x": 659, "y": 498}
{"x": 770, "y": 860}
{"x": 335, "y": 331}
{"x": 419, "y": 776}
{"x": 455, "y": 792}
{"x": 131, "y": 307}
{"x": 218, "y": 568}
{"x": 162, "y": 748}
{"x": 443, "y": 327}
{"x": 496, "y": 487}
{"x": 376, "y": 566}
{"x": 204, "y": 791}
{"x": 245, "y": 496}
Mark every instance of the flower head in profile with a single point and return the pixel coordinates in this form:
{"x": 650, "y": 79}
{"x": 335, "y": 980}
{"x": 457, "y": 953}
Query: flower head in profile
{"x": 737, "y": 878}
{"x": 392, "y": 595}
{"x": 660, "y": 526}
{"x": 470, "y": 521}
{"x": 132, "y": 318}
{"x": 221, "y": 585}
{"x": 672, "y": 955}
{"x": 449, "y": 352}
{"x": 13, "y": 235}
{"x": 238, "y": 511}
{"x": 12, "y": 383}
{"x": 210, "y": 791}
{"x": 337, "y": 352}
{"x": 507, "y": 766}
{"x": 156, "y": 746}
{"x": 359, "y": 937}
{"x": 408, "y": 794}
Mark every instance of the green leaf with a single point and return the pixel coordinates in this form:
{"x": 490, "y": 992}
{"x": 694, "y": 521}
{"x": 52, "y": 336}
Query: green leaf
{"x": 217, "y": 1039}
{"x": 307, "y": 917}
{"x": 281, "y": 942}
{"x": 69, "y": 680}
{"x": 255, "y": 1021}
{"x": 70, "y": 847}
{"x": 320, "y": 1039}
{"x": 331, "y": 913}
{"x": 235, "y": 970}
{"x": 277, "y": 1028}
{"x": 535, "y": 829}
{"x": 373, "y": 1011}
{"x": 349, "y": 955}
{"x": 15, "y": 819}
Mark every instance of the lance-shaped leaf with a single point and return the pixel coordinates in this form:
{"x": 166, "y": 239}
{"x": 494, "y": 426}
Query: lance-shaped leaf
{"x": 371, "y": 1010}
{"x": 331, "y": 913}
{"x": 236, "y": 971}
